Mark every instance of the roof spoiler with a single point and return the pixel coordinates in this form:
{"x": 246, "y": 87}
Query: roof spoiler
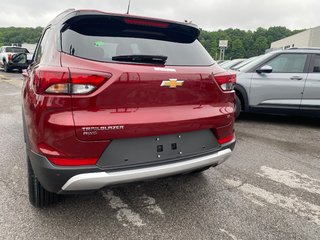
{"x": 131, "y": 26}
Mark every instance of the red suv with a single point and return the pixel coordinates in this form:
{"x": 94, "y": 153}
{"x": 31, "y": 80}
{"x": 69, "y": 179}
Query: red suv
{"x": 111, "y": 99}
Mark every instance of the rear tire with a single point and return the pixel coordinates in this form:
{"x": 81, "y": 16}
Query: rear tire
{"x": 238, "y": 106}
{"x": 38, "y": 196}
{"x": 6, "y": 68}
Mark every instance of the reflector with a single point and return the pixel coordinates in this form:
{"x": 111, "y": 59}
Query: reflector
{"x": 73, "y": 162}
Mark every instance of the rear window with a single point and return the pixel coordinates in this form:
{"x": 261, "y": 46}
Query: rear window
{"x": 16, "y": 50}
{"x": 104, "y": 38}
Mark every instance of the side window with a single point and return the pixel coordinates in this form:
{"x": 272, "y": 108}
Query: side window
{"x": 288, "y": 63}
{"x": 41, "y": 47}
{"x": 316, "y": 65}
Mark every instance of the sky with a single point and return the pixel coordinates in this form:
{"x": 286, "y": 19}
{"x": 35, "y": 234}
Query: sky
{"x": 207, "y": 14}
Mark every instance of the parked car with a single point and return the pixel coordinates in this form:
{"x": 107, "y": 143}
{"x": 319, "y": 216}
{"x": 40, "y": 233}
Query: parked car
{"x": 224, "y": 62}
{"x": 112, "y": 99}
{"x": 6, "y": 55}
{"x": 281, "y": 82}
{"x": 242, "y": 64}
{"x": 220, "y": 61}
{"x": 232, "y": 63}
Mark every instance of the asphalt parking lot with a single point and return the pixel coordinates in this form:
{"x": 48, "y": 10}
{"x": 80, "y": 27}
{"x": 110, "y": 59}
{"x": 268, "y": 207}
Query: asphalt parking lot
{"x": 269, "y": 189}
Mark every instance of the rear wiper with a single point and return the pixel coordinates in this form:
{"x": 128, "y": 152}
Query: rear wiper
{"x": 157, "y": 59}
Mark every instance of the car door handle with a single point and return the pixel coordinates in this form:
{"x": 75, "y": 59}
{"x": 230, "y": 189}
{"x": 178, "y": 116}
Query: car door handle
{"x": 298, "y": 78}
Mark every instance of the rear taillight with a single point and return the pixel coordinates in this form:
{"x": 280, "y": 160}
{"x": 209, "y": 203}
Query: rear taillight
{"x": 61, "y": 81}
{"x": 84, "y": 82}
{"x": 226, "y": 81}
{"x": 51, "y": 80}
{"x": 9, "y": 57}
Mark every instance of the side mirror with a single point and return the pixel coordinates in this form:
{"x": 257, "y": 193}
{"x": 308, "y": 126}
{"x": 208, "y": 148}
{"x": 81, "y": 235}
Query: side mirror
{"x": 265, "y": 69}
{"x": 20, "y": 58}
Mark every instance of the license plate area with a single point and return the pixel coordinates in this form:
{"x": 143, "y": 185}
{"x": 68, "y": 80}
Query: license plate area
{"x": 135, "y": 152}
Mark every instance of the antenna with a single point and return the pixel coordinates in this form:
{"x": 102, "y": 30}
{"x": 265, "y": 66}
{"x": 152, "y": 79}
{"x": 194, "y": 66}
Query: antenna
{"x": 129, "y": 7}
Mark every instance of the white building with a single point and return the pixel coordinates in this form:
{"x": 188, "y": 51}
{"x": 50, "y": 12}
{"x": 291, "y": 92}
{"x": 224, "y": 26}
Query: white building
{"x": 308, "y": 38}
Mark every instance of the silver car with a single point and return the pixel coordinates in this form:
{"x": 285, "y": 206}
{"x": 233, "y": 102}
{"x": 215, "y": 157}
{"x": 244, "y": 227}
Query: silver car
{"x": 230, "y": 64}
{"x": 281, "y": 82}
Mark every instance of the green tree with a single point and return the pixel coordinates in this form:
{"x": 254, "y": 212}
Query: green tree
{"x": 19, "y": 35}
{"x": 253, "y": 42}
{"x": 260, "y": 45}
{"x": 241, "y": 43}
{"x": 237, "y": 49}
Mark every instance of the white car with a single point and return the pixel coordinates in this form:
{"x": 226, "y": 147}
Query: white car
{"x": 6, "y": 55}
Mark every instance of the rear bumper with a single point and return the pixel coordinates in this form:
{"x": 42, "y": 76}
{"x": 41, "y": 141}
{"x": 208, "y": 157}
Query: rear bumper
{"x": 17, "y": 65}
{"x": 93, "y": 181}
{"x": 64, "y": 180}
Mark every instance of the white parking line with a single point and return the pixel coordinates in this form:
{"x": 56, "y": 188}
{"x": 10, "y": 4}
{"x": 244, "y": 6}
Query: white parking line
{"x": 124, "y": 214}
{"x": 292, "y": 179}
{"x": 292, "y": 204}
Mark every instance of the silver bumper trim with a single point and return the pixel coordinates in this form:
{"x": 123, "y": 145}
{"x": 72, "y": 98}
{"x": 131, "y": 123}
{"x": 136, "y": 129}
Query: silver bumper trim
{"x": 94, "y": 181}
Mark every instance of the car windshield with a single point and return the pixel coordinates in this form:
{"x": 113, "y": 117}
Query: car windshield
{"x": 255, "y": 62}
{"x": 232, "y": 63}
{"x": 244, "y": 63}
{"x": 108, "y": 43}
{"x": 16, "y": 50}
{"x": 224, "y": 63}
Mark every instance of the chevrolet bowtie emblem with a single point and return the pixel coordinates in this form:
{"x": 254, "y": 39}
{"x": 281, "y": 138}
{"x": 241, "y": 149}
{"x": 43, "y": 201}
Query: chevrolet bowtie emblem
{"x": 172, "y": 83}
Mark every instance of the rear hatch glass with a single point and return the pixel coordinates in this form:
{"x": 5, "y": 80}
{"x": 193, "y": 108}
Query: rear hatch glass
{"x": 108, "y": 38}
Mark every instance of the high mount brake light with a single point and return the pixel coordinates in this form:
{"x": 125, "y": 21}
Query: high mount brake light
{"x": 147, "y": 23}
{"x": 226, "y": 81}
{"x": 60, "y": 81}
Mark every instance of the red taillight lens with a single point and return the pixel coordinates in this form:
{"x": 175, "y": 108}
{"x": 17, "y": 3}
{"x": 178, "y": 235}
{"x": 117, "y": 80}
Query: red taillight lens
{"x": 73, "y": 162}
{"x": 143, "y": 22}
{"x": 44, "y": 78}
{"x": 9, "y": 57}
{"x": 226, "y": 81}
{"x": 61, "y": 81}
{"x": 227, "y": 139}
{"x": 94, "y": 80}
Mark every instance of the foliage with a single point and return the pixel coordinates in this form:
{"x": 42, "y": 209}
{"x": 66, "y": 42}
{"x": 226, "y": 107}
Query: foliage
{"x": 243, "y": 44}
{"x": 19, "y": 35}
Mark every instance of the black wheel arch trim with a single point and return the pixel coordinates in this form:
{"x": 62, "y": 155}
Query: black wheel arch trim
{"x": 244, "y": 95}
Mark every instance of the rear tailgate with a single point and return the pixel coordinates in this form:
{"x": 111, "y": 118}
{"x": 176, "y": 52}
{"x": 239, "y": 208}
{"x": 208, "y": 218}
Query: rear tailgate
{"x": 142, "y": 99}
{"x": 134, "y": 104}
